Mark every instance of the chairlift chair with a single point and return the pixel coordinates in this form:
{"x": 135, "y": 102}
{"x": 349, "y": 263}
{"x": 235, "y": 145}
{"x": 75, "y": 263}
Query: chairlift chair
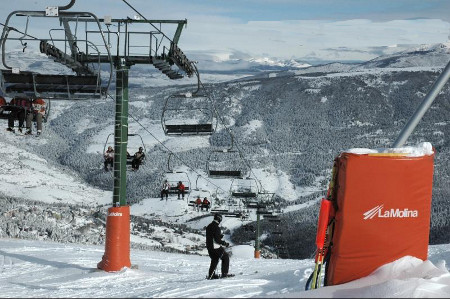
{"x": 85, "y": 83}
{"x": 131, "y": 156}
{"x": 225, "y": 163}
{"x": 244, "y": 188}
{"x": 187, "y": 114}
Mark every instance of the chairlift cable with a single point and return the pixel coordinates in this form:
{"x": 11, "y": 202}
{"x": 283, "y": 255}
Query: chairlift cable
{"x": 227, "y": 128}
{"x": 142, "y": 16}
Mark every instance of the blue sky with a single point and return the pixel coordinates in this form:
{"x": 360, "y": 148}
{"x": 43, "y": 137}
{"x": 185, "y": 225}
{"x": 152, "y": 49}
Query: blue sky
{"x": 309, "y": 30}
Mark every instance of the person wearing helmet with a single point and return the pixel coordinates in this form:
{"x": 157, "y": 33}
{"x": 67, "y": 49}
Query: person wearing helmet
{"x": 137, "y": 159}
{"x": 214, "y": 236}
{"x": 109, "y": 157}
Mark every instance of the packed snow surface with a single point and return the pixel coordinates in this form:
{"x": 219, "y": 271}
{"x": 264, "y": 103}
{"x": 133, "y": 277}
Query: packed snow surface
{"x": 47, "y": 269}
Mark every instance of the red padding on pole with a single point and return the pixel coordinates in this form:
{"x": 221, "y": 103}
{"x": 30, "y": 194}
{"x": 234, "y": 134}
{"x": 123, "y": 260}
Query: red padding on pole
{"x": 117, "y": 243}
{"x": 322, "y": 223}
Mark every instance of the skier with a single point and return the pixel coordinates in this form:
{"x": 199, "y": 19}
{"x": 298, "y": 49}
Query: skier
{"x": 165, "y": 190}
{"x": 214, "y": 235}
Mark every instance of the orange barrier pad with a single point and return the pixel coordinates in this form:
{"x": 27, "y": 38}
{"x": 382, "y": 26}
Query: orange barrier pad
{"x": 383, "y": 214}
{"x": 117, "y": 243}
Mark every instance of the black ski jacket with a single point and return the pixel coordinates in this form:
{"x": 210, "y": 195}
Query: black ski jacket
{"x": 213, "y": 234}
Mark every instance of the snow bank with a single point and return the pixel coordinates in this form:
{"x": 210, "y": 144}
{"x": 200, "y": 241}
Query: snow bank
{"x": 422, "y": 149}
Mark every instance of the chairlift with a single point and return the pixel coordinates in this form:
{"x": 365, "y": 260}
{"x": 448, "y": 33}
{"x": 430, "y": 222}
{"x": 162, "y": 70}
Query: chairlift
{"x": 129, "y": 155}
{"x": 173, "y": 177}
{"x": 6, "y": 110}
{"x": 244, "y": 188}
{"x": 226, "y": 163}
{"x": 188, "y": 114}
{"x": 87, "y": 81}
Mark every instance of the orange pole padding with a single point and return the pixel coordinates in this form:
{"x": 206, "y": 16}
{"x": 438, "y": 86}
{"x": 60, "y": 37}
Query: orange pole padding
{"x": 322, "y": 223}
{"x": 117, "y": 243}
{"x": 257, "y": 254}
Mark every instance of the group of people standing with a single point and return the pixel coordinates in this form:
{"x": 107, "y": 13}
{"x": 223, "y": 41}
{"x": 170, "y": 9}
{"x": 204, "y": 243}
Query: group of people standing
{"x": 25, "y": 110}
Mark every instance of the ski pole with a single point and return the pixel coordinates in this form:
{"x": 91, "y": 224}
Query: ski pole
{"x": 220, "y": 257}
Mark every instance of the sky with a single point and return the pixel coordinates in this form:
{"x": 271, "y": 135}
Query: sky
{"x": 309, "y": 30}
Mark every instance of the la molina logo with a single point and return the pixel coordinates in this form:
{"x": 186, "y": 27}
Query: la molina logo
{"x": 392, "y": 213}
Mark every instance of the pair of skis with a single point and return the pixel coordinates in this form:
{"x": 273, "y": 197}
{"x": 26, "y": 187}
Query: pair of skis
{"x": 323, "y": 236}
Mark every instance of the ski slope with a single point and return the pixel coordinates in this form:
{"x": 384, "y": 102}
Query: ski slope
{"x": 53, "y": 270}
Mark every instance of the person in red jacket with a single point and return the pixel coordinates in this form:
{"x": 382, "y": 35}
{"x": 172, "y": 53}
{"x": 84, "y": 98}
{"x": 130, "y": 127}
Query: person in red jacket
{"x": 198, "y": 203}
{"x": 206, "y": 204}
{"x": 181, "y": 189}
{"x": 2, "y": 103}
{"x": 38, "y": 112}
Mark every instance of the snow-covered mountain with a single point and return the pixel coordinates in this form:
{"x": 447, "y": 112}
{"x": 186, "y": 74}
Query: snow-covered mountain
{"x": 288, "y": 124}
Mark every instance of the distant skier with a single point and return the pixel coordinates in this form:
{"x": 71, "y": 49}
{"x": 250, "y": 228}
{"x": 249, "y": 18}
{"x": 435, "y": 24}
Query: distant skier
{"x": 214, "y": 235}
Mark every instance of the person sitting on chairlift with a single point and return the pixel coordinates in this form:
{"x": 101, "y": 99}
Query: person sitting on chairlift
{"x": 206, "y": 204}
{"x": 198, "y": 203}
{"x": 181, "y": 189}
{"x": 21, "y": 106}
{"x": 165, "y": 190}
{"x": 2, "y": 103}
{"x": 38, "y": 112}
{"x": 109, "y": 157}
{"x": 137, "y": 159}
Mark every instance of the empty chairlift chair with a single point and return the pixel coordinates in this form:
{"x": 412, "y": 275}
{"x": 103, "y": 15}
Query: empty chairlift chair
{"x": 188, "y": 114}
{"x": 244, "y": 188}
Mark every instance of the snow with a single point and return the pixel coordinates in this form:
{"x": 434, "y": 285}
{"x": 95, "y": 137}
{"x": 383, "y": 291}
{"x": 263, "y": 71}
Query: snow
{"x": 422, "y": 149}
{"x": 53, "y": 270}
